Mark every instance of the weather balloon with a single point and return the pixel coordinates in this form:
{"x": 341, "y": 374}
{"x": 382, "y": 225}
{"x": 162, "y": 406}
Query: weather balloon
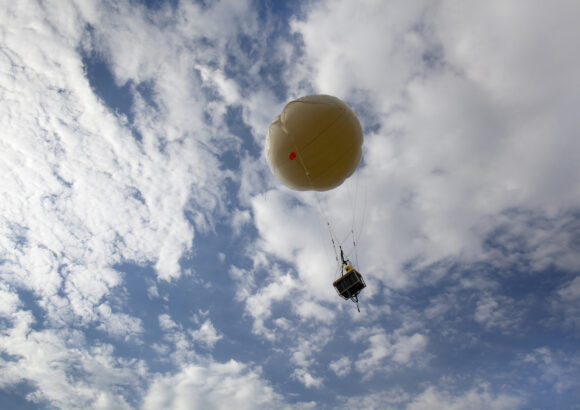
{"x": 314, "y": 144}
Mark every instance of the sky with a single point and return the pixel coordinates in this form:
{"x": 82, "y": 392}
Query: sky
{"x": 149, "y": 259}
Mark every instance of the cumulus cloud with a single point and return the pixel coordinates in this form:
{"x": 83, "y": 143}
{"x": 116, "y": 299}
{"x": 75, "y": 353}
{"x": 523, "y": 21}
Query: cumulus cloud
{"x": 304, "y": 354}
{"x": 82, "y": 195}
{"x": 182, "y": 344}
{"x": 307, "y": 379}
{"x": 477, "y": 398}
{"x": 119, "y": 324}
{"x": 213, "y": 386}
{"x": 387, "y": 352}
{"x": 459, "y": 129}
{"x": 258, "y": 305}
{"x": 206, "y": 335}
{"x": 87, "y": 188}
{"x": 67, "y": 372}
{"x": 387, "y": 399}
{"x": 341, "y": 367}
{"x": 239, "y": 220}
{"x": 381, "y": 43}
{"x": 9, "y": 301}
{"x": 470, "y": 165}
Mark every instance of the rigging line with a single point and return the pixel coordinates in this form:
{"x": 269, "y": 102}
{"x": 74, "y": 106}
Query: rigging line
{"x": 344, "y": 240}
{"x": 355, "y": 200}
{"x": 355, "y": 251}
{"x": 355, "y": 239}
{"x": 322, "y": 232}
{"x": 329, "y": 231}
{"x": 353, "y": 219}
{"x": 320, "y": 207}
{"x": 365, "y": 205}
{"x": 328, "y": 224}
{"x": 326, "y": 219}
{"x": 307, "y": 173}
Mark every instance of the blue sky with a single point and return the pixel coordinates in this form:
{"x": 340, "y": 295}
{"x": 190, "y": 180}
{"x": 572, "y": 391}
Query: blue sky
{"x": 150, "y": 260}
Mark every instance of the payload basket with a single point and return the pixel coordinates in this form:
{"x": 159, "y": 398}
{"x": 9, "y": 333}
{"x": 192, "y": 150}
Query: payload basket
{"x": 349, "y": 284}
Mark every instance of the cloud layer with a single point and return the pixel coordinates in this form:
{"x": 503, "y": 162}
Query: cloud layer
{"x": 149, "y": 259}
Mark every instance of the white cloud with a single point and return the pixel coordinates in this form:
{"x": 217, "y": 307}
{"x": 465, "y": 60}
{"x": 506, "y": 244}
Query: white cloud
{"x": 119, "y": 324}
{"x": 439, "y": 306}
{"x": 94, "y": 196}
{"x": 166, "y": 323}
{"x": 206, "y": 335}
{"x": 179, "y": 342}
{"x": 213, "y": 386}
{"x": 108, "y": 401}
{"x": 295, "y": 232}
{"x": 477, "y": 398}
{"x": 408, "y": 346}
{"x": 569, "y": 301}
{"x": 80, "y": 194}
{"x": 558, "y": 369}
{"x": 393, "y": 398}
{"x": 432, "y": 397}
{"x": 471, "y": 155}
{"x": 379, "y": 51}
{"x": 9, "y": 301}
{"x": 571, "y": 292}
{"x": 307, "y": 379}
{"x": 239, "y": 220}
{"x": 305, "y": 348}
{"x": 341, "y": 367}
{"x": 533, "y": 241}
{"x": 387, "y": 352}
{"x": 152, "y": 292}
{"x": 496, "y": 311}
{"x": 313, "y": 311}
{"x": 66, "y": 371}
{"x": 466, "y": 122}
{"x": 260, "y": 295}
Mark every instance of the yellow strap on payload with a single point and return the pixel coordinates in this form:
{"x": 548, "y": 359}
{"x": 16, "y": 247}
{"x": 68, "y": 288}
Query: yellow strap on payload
{"x": 348, "y": 268}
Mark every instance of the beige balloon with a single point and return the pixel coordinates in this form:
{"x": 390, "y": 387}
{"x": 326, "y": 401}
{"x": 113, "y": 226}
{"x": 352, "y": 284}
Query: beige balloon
{"x": 315, "y": 143}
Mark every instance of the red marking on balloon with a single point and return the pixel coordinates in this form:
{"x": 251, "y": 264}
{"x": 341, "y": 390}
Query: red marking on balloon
{"x": 292, "y": 155}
